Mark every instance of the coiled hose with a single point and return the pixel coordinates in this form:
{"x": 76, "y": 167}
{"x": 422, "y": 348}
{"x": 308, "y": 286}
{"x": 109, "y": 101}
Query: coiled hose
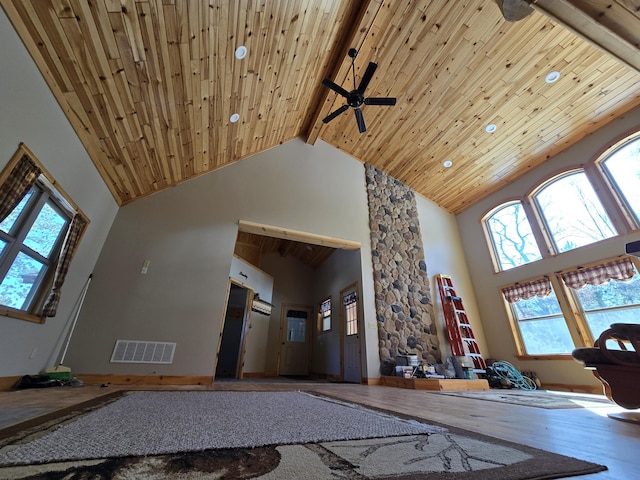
{"x": 508, "y": 372}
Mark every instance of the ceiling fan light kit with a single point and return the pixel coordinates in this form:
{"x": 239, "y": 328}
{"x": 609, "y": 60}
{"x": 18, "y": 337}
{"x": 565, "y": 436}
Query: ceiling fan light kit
{"x": 355, "y": 98}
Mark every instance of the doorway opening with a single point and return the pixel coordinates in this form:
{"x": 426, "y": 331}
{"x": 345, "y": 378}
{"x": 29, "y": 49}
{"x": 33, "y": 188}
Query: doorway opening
{"x": 232, "y": 342}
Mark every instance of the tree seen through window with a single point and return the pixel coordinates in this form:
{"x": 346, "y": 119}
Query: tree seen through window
{"x": 513, "y": 240}
{"x": 573, "y": 213}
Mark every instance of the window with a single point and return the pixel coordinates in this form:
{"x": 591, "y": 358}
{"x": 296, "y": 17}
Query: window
{"x": 606, "y": 293}
{"x": 296, "y": 326}
{"x": 572, "y": 212}
{"x": 511, "y": 236}
{"x": 324, "y": 315}
{"x": 351, "y": 313}
{"x": 40, "y": 228}
{"x": 30, "y": 241}
{"x": 622, "y": 168}
{"x": 539, "y": 320}
{"x": 594, "y": 297}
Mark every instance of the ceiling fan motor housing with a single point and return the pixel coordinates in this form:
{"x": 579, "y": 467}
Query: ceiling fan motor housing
{"x": 355, "y": 99}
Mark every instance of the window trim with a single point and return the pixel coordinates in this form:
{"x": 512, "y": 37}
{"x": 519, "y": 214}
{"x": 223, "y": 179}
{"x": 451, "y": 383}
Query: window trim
{"x": 320, "y": 325}
{"x": 612, "y": 200}
{"x": 540, "y": 217}
{"x": 569, "y": 306}
{"x": 614, "y": 196}
{"x": 535, "y": 230}
{"x": 63, "y": 200}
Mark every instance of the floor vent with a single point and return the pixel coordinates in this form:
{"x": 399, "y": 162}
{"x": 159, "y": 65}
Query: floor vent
{"x": 132, "y": 351}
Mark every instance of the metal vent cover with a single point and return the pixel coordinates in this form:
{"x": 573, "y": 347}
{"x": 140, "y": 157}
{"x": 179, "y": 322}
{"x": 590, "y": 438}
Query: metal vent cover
{"x": 133, "y": 351}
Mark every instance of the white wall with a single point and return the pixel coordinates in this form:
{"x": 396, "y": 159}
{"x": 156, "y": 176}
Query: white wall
{"x": 29, "y": 113}
{"x": 444, "y": 255}
{"x": 485, "y": 282}
{"x": 188, "y": 233}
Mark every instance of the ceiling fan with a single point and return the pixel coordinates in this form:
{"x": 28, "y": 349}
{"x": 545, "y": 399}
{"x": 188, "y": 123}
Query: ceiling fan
{"x": 355, "y": 98}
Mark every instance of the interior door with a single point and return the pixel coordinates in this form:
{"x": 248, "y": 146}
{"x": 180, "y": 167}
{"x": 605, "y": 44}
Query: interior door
{"x": 295, "y": 330}
{"x": 351, "y": 335}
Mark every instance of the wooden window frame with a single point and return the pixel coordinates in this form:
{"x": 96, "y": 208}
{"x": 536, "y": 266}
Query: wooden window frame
{"x": 57, "y": 194}
{"x": 322, "y": 318}
{"x": 571, "y": 310}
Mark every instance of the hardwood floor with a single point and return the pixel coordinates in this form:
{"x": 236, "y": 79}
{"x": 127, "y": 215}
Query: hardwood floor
{"x": 580, "y": 432}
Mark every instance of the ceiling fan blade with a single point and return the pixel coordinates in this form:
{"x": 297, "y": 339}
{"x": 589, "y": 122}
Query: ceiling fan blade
{"x": 380, "y": 101}
{"x": 335, "y": 87}
{"x": 360, "y": 119}
{"x": 368, "y": 75}
{"x": 335, "y": 113}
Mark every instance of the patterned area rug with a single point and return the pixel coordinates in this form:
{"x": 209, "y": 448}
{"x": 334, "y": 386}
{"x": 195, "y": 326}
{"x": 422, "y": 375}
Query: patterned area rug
{"x": 535, "y": 398}
{"x": 421, "y": 452}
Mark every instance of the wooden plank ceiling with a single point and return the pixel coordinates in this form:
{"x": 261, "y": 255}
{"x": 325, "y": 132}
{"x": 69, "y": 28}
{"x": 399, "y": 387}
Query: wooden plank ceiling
{"x": 150, "y": 85}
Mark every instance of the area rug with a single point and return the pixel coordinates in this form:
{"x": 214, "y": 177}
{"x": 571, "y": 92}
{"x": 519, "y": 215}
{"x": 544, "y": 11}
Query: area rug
{"x": 535, "y": 398}
{"x": 268, "y": 435}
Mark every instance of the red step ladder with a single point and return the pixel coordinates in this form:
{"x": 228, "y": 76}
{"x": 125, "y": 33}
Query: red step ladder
{"x": 461, "y": 338}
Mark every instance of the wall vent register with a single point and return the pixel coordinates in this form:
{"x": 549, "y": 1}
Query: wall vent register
{"x": 132, "y": 351}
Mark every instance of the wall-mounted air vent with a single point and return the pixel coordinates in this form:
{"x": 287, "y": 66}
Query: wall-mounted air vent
{"x": 132, "y": 351}
{"x": 261, "y": 306}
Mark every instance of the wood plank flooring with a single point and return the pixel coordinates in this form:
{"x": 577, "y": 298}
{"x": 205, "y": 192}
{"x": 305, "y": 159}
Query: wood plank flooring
{"x": 582, "y": 433}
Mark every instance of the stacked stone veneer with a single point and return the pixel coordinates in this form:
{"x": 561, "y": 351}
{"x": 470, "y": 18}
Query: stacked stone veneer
{"x": 406, "y": 321}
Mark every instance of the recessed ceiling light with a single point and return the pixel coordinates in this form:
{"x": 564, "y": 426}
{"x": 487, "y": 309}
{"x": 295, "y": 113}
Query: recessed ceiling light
{"x": 552, "y": 77}
{"x": 241, "y": 52}
{"x": 234, "y": 118}
{"x": 447, "y": 163}
{"x": 491, "y": 128}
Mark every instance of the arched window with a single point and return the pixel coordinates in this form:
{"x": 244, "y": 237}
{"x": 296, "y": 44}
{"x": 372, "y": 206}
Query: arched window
{"x": 511, "y": 236}
{"x": 572, "y": 212}
{"x": 622, "y": 168}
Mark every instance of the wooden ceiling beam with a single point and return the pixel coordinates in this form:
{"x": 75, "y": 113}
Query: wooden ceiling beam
{"x": 355, "y": 35}
{"x": 296, "y": 236}
{"x": 606, "y": 24}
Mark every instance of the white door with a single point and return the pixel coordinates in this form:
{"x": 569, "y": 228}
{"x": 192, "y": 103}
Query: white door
{"x": 351, "y": 334}
{"x": 294, "y": 351}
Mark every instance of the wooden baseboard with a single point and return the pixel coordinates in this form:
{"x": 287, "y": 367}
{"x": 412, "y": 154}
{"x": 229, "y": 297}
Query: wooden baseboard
{"x": 371, "y": 381}
{"x": 95, "y": 379}
{"x": 7, "y": 383}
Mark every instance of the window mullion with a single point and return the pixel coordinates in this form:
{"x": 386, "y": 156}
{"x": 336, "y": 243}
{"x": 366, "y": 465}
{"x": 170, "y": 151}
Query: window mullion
{"x": 604, "y": 189}
{"x": 29, "y": 219}
{"x": 573, "y": 315}
{"x": 537, "y": 228}
{"x": 22, "y": 226}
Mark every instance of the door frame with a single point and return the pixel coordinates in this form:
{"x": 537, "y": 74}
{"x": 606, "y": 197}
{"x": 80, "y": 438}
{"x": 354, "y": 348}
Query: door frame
{"x": 242, "y": 348}
{"x": 343, "y": 325}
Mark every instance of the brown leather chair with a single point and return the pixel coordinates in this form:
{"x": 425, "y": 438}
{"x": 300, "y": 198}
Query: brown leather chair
{"x": 618, "y": 370}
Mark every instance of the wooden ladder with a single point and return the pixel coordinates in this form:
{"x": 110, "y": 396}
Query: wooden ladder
{"x": 461, "y": 338}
